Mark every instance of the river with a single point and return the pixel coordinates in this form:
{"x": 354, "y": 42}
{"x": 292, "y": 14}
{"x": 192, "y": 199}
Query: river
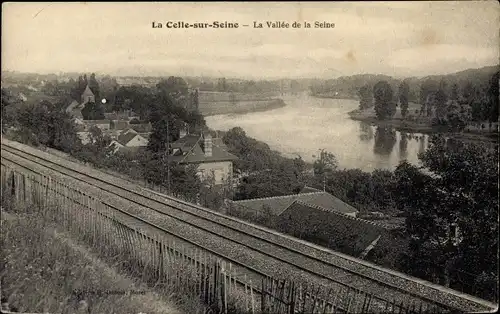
{"x": 308, "y": 124}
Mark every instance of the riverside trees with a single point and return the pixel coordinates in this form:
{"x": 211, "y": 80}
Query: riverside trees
{"x": 451, "y": 214}
{"x": 385, "y": 106}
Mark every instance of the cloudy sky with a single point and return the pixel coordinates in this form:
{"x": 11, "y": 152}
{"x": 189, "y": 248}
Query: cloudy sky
{"x": 395, "y": 38}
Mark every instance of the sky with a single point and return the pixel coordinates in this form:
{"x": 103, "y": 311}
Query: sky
{"x": 394, "y": 38}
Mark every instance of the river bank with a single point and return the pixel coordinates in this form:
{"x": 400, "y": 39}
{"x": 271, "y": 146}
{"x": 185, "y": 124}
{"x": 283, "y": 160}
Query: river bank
{"x": 333, "y": 96}
{"x": 240, "y": 107}
{"x": 420, "y": 127}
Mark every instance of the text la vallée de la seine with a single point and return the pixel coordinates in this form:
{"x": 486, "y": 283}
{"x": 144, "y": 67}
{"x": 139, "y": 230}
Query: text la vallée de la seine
{"x": 255, "y": 24}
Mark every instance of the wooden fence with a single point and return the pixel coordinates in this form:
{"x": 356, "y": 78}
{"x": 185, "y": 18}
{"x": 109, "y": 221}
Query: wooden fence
{"x": 161, "y": 259}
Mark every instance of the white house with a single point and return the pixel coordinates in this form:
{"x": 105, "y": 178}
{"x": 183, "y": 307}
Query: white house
{"x": 129, "y": 139}
{"x": 210, "y": 155}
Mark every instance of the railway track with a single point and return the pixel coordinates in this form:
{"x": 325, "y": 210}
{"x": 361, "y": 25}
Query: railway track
{"x": 311, "y": 262}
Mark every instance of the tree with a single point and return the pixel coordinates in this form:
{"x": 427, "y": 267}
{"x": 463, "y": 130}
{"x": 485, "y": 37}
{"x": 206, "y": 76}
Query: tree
{"x": 404, "y": 90}
{"x": 427, "y": 88}
{"x": 458, "y": 189}
{"x": 267, "y": 183}
{"x": 195, "y": 101}
{"x": 493, "y": 98}
{"x": 164, "y": 131}
{"x": 94, "y": 86}
{"x": 454, "y": 94}
{"x": 82, "y": 84}
{"x": 325, "y": 164}
{"x": 222, "y": 85}
{"x": 140, "y": 99}
{"x": 457, "y": 115}
{"x": 174, "y": 87}
{"x": 385, "y": 107}
{"x": 42, "y": 123}
{"x": 365, "y": 97}
{"x": 93, "y": 111}
{"x": 185, "y": 181}
{"x": 9, "y": 103}
{"x": 440, "y": 101}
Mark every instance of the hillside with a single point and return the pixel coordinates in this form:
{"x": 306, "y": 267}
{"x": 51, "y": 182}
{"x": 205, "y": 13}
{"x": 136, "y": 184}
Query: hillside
{"x": 347, "y": 86}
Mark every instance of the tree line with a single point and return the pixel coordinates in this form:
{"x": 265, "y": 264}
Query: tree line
{"x": 451, "y": 105}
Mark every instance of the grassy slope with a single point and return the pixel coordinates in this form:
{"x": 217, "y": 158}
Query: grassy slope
{"x": 42, "y": 270}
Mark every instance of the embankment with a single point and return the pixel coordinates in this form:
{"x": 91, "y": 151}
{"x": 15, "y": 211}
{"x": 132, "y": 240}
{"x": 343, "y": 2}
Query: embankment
{"x": 215, "y": 103}
{"x": 227, "y": 107}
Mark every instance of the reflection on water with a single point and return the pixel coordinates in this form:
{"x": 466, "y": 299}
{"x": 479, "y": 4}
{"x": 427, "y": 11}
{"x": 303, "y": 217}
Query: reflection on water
{"x": 403, "y": 146}
{"x": 385, "y": 139}
{"x": 307, "y": 124}
{"x": 365, "y": 131}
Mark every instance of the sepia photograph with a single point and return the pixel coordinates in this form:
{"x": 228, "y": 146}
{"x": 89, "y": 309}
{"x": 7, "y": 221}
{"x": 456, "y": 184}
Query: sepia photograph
{"x": 250, "y": 157}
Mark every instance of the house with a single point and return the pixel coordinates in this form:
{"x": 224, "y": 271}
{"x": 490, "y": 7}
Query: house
{"x": 347, "y": 234}
{"x": 279, "y": 204}
{"x": 129, "y": 140}
{"x": 118, "y": 124}
{"x": 87, "y": 96}
{"x": 104, "y": 125}
{"x": 75, "y": 107}
{"x": 23, "y": 97}
{"x": 209, "y": 154}
{"x": 79, "y": 124}
{"x": 84, "y": 137}
{"x": 142, "y": 127}
{"x": 119, "y": 115}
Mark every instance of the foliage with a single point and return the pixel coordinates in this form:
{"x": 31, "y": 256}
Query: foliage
{"x": 385, "y": 107}
{"x": 94, "y": 87}
{"x": 363, "y": 190}
{"x": 183, "y": 179}
{"x": 253, "y": 155}
{"x": 9, "y": 104}
{"x": 457, "y": 115}
{"x": 222, "y": 85}
{"x": 165, "y": 131}
{"x": 325, "y": 164}
{"x": 46, "y": 125}
{"x": 136, "y": 98}
{"x": 404, "y": 90}
{"x": 93, "y": 111}
{"x": 283, "y": 180}
{"x": 441, "y": 98}
{"x": 462, "y": 189}
{"x": 365, "y": 97}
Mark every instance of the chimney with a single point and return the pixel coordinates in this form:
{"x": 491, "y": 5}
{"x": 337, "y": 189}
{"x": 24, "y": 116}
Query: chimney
{"x": 207, "y": 144}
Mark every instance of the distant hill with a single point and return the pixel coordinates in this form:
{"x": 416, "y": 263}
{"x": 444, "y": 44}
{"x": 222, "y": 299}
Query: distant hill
{"x": 348, "y": 86}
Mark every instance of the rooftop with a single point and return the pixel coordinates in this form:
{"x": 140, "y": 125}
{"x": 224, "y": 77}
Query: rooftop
{"x": 279, "y": 204}
{"x": 96, "y": 121}
{"x": 190, "y": 150}
{"x": 126, "y": 137}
